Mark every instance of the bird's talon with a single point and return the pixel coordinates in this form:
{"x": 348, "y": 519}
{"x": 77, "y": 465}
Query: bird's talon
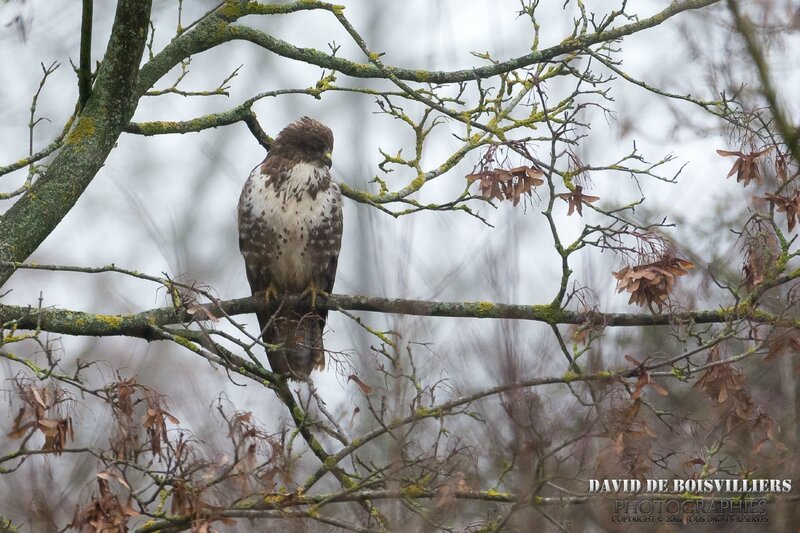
{"x": 311, "y": 291}
{"x": 271, "y": 293}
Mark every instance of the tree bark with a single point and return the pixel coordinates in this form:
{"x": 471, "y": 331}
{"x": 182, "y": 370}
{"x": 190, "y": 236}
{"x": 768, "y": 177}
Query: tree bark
{"x": 108, "y": 110}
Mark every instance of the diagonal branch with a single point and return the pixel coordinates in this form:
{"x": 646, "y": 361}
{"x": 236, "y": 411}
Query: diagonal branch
{"x": 109, "y": 109}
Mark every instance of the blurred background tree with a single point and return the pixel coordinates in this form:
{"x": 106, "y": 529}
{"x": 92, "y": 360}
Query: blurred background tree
{"x": 509, "y": 168}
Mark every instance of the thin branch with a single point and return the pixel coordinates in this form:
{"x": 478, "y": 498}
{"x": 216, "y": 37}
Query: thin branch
{"x": 745, "y": 28}
{"x": 85, "y": 70}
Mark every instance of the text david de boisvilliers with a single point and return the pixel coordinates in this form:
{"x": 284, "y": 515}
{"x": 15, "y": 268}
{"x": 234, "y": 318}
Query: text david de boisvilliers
{"x": 635, "y": 486}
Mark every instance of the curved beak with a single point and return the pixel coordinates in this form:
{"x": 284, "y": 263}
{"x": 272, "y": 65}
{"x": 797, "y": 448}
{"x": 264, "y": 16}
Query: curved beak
{"x": 326, "y": 158}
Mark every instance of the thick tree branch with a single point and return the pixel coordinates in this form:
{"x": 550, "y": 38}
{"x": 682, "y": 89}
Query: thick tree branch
{"x": 360, "y": 70}
{"x": 216, "y": 29}
{"x": 109, "y": 109}
{"x": 145, "y": 324}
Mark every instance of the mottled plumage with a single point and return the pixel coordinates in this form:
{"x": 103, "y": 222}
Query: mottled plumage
{"x": 290, "y": 232}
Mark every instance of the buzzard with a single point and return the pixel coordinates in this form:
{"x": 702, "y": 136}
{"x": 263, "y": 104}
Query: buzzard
{"x": 290, "y": 232}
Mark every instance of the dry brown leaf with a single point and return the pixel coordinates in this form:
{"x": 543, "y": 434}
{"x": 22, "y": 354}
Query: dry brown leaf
{"x": 366, "y": 389}
{"x": 19, "y": 430}
{"x": 786, "y": 204}
{"x": 39, "y": 399}
{"x": 114, "y": 475}
{"x": 576, "y": 199}
{"x": 202, "y": 312}
{"x": 745, "y": 167}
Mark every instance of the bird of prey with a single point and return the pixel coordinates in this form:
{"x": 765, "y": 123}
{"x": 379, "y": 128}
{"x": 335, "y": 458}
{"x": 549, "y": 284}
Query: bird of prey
{"x": 290, "y": 232}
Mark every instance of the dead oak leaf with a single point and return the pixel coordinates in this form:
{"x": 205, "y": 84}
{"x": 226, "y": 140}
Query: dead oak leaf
{"x": 576, "y": 199}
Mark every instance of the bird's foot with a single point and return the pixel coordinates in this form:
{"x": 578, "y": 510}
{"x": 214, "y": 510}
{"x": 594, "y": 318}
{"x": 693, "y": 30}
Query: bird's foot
{"x": 271, "y": 293}
{"x": 312, "y": 291}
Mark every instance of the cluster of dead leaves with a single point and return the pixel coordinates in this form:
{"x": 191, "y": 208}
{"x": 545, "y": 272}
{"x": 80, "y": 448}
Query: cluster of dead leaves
{"x": 128, "y": 395}
{"x": 260, "y": 465}
{"x": 783, "y": 340}
{"x": 651, "y": 284}
{"x": 761, "y": 249}
{"x": 576, "y": 199}
{"x": 155, "y": 424}
{"x": 187, "y": 501}
{"x": 104, "y": 512}
{"x": 512, "y": 185}
{"x": 725, "y": 384}
{"x": 786, "y": 204}
{"x": 632, "y": 438}
{"x": 745, "y": 167}
{"x": 262, "y": 459}
{"x": 644, "y": 380}
{"x": 725, "y": 381}
{"x": 37, "y": 414}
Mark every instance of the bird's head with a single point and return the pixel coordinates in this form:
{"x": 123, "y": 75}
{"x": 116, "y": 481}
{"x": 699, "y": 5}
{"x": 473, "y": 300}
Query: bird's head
{"x": 305, "y": 140}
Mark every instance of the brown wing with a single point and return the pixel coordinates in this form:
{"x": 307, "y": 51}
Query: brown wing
{"x": 257, "y": 242}
{"x": 324, "y": 254}
{"x": 252, "y": 244}
{"x": 326, "y": 241}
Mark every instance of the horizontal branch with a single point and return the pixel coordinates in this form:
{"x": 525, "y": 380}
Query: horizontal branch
{"x": 264, "y": 506}
{"x": 278, "y": 501}
{"x": 145, "y": 323}
{"x": 241, "y": 113}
